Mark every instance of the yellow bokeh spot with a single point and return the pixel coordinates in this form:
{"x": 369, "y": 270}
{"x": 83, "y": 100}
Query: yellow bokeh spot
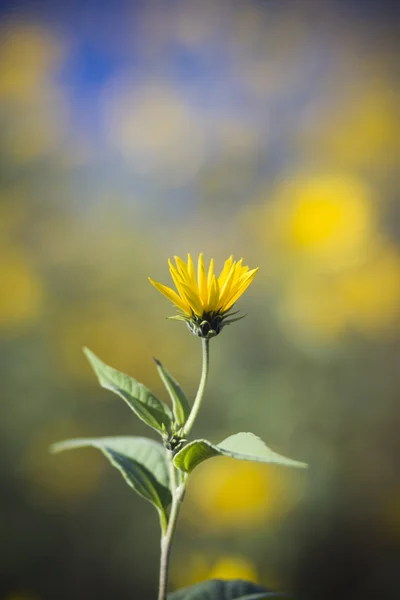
{"x": 21, "y": 300}
{"x": 328, "y": 216}
{"x": 32, "y": 100}
{"x": 198, "y": 567}
{"x": 239, "y": 494}
{"x": 371, "y": 294}
{"x": 233, "y": 567}
{"x": 28, "y": 55}
{"x": 321, "y": 221}
{"x": 364, "y": 298}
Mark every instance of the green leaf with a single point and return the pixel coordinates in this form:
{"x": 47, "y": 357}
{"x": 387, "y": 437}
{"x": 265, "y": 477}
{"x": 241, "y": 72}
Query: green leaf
{"x": 243, "y": 446}
{"x": 139, "y": 398}
{"x": 219, "y": 589}
{"x": 180, "y": 403}
{"x": 142, "y": 462}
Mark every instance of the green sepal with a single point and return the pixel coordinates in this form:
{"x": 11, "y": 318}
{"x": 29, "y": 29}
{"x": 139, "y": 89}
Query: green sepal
{"x": 207, "y": 325}
{"x": 220, "y": 589}
{"x": 180, "y": 403}
{"x": 229, "y": 321}
{"x": 179, "y": 318}
{"x": 152, "y": 411}
{"x": 142, "y": 462}
{"x": 242, "y": 446}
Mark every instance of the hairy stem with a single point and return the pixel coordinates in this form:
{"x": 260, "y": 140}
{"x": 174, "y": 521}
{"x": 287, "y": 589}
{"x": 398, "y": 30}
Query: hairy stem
{"x": 205, "y": 344}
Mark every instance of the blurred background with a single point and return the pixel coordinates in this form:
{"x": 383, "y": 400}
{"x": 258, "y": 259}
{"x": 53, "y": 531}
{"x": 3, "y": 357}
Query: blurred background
{"x": 134, "y": 131}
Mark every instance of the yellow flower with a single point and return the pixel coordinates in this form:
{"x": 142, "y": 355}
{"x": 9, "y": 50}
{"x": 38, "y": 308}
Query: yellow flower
{"x": 204, "y": 303}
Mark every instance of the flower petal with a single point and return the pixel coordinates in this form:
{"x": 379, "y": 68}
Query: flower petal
{"x": 177, "y": 278}
{"x": 171, "y": 295}
{"x": 182, "y": 268}
{"x": 202, "y": 280}
{"x": 213, "y": 295}
{"x": 192, "y": 274}
{"x": 239, "y": 270}
{"x": 210, "y": 273}
{"x": 192, "y": 298}
{"x": 203, "y": 297}
{"x": 241, "y": 289}
{"x": 225, "y": 271}
{"x": 226, "y": 288}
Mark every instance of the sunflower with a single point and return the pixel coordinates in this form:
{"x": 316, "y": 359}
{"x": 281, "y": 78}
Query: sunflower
{"x": 205, "y": 302}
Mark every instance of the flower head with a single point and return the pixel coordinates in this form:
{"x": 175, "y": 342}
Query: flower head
{"x": 204, "y": 301}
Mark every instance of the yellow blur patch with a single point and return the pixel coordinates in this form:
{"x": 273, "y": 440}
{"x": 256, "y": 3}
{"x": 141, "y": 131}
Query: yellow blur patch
{"x": 21, "y": 300}
{"x": 365, "y": 298}
{"x": 198, "y": 567}
{"x": 28, "y": 55}
{"x": 234, "y": 567}
{"x": 327, "y": 218}
{"x": 372, "y": 293}
{"x": 364, "y": 131}
{"x": 232, "y": 494}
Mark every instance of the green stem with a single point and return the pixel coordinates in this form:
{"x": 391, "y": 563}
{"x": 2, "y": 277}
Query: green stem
{"x": 178, "y": 485}
{"x": 166, "y": 539}
{"x": 205, "y": 344}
